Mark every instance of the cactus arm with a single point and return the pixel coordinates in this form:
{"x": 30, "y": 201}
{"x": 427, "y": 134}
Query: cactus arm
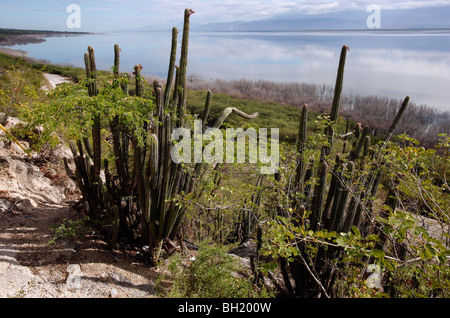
{"x": 173, "y": 56}
{"x": 301, "y": 142}
{"x": 183, "y": 63}
{"x": 343, "y": 189}
{"x": 227, "y": 112}
{"x": 317, "y": 201}
{"x": 207, "y": 108}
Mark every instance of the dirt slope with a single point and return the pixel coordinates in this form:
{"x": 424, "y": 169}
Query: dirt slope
{"x": 36, "y": 197}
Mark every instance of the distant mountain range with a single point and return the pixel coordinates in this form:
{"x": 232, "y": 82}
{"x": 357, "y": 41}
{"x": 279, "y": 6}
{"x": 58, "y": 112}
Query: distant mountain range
{"x": 421, "y": 18}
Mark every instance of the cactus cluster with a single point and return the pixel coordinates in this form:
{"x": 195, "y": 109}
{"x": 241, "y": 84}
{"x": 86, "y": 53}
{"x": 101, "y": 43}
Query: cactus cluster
{"x": 342, "y": 196}
{"x": 250, "y": 214}
{"x": 141, "y": 184}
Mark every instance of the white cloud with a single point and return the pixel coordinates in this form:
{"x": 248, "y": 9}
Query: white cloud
{"x": 116, "y": 14}
{"x": 233, "y": 10}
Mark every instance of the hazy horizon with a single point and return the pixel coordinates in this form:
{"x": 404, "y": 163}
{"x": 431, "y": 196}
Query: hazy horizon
{"x": 117, "y": 15}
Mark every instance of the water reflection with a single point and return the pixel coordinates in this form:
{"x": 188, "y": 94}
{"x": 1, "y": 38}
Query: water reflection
{"x": 393, "y": 64}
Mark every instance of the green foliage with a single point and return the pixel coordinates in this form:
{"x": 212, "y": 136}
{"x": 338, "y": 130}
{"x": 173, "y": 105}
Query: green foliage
{"x": 341, "y": 203}
{"x": 71, "y": 110}
{"x": 69, "y": 229}
{"x": 421, "y": 174}
{"x": 19, "y": 86}
{"x": 422, "y": 272}
{"x": 212, "y": 273}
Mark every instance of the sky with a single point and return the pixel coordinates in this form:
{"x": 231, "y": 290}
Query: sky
{"x": 115, "y": 15}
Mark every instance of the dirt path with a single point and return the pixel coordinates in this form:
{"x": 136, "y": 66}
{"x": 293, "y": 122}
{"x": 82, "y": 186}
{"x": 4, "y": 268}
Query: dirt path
{"x": 53, "y": 80}
{"x": 36, "y": 198}
{"x": 72, "y": 267}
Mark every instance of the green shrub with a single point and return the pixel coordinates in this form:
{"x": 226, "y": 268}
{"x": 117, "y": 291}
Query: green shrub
{"x": 69, "y": 229}
{"x": 212, "y": 274}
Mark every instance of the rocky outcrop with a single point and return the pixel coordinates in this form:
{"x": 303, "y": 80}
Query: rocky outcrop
{"x": 26, "y": 180}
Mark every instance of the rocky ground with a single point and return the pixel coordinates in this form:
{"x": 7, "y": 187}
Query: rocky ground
{"x": 38, "y": 210}
{"x": 53, "y": 80}
{"x": 38, "y": 257}
{"x": 36, "y": 198}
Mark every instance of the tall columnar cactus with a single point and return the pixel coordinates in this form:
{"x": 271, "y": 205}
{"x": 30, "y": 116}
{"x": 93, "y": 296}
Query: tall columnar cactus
{"x": 341, "y": 197}
{"x": 140, "y": 189}
{"x": 88, "y": 181}
{"x": 91, "y": 74}
{"x": 116, "y": 69}
{"x": 301, "y": 142}
{"x": 171, "y": 71}
{"x": 336, "y": 101}
{"x": 359, "y": 144}
{"x": 182, "y": 83}
{"x": 332, "y": 189}
{"x": 138, "y": 80}
{"x": 91, "y": 71}
{"x": 88, "y": 158}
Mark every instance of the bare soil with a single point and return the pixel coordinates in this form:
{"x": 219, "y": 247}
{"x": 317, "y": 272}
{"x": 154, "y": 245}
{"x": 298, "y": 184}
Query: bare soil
{"x": 83, "y": 266}
{"x": 37, "y": 261}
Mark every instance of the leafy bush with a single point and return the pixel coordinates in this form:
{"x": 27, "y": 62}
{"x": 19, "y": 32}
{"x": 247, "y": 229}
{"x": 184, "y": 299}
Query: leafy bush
{"x": 69, "y": 229}
{"x": 19, "y": 86}
{"x": 411, "y": 257}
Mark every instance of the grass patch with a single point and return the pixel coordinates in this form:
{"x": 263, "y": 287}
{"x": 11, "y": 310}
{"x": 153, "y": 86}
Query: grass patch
{"x": 211, "y": 274}
{"x": 271, "y": 114}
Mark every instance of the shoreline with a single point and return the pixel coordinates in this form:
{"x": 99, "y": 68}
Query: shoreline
{"x": 13, "y": 52}
{"x": 364, "y": 108}
{"x": 9, "y": 37}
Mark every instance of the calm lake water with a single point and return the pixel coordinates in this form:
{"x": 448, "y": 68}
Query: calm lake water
{"x": 385, "y": 63}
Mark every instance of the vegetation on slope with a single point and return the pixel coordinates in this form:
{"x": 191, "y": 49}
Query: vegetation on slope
{"x": 342, "y": 202}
